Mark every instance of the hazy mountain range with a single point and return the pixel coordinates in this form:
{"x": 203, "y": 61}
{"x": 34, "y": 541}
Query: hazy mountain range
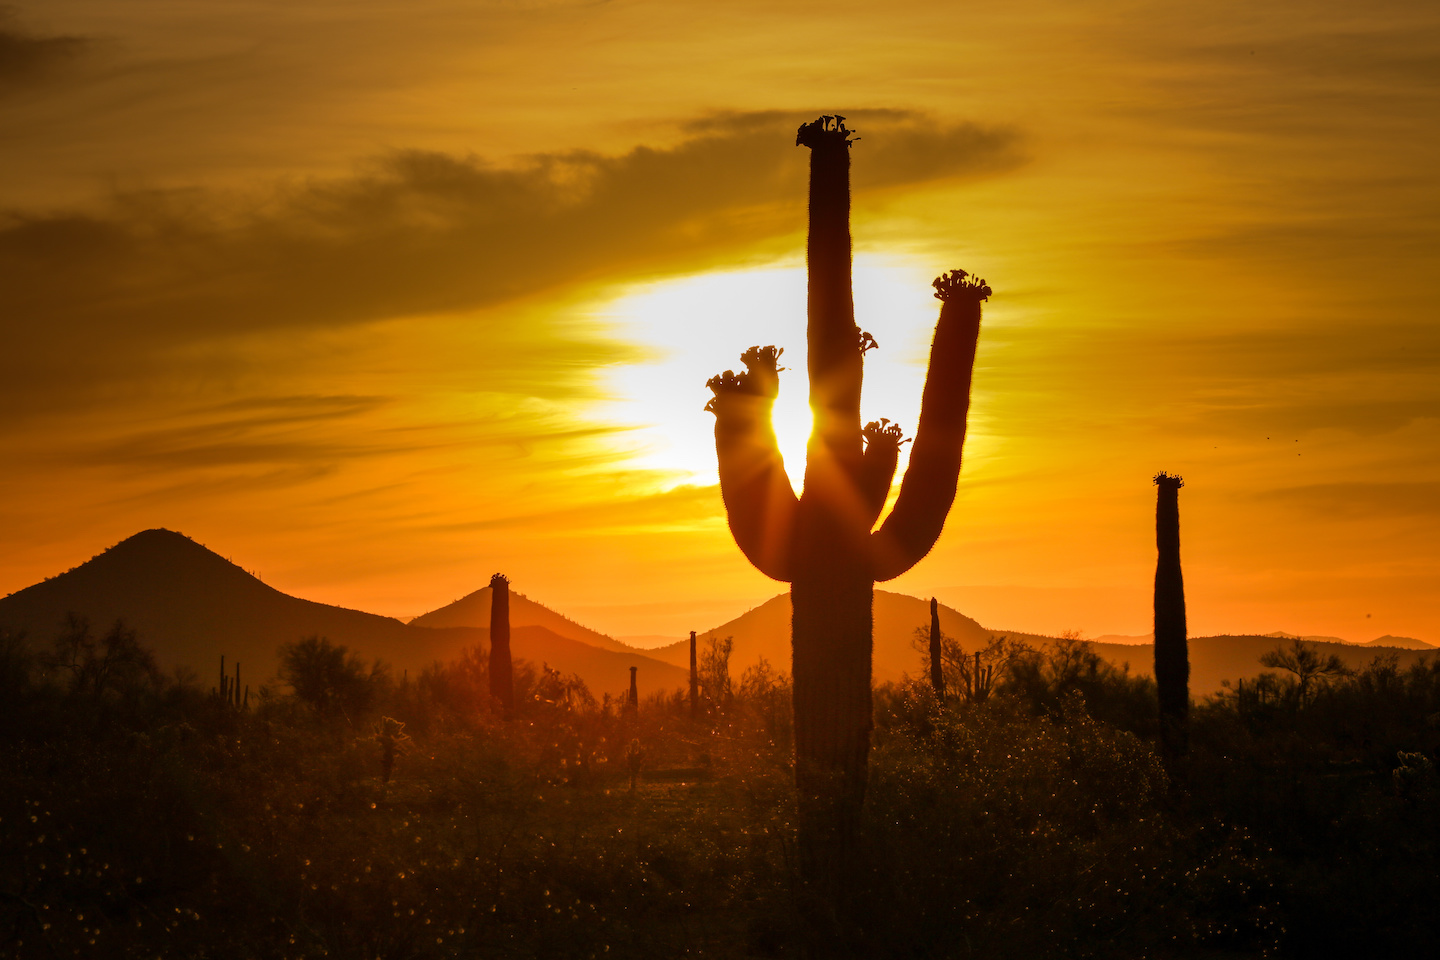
{"x": 191, "y": 605}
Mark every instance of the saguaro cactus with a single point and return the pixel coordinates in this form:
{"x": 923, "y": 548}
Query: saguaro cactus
{"x": 502, "y": 681}
{"x": 1172, "y": 658}
{"x": 937, "y": 676}
{"x": 694, "y": 680}
{"x": 821, "y": 543}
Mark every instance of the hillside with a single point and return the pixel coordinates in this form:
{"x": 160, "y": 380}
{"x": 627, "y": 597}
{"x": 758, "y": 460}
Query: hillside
{"x": 473, "y": 610}
{"x": 191, "y": 605}
{"x": 765, "y": 632}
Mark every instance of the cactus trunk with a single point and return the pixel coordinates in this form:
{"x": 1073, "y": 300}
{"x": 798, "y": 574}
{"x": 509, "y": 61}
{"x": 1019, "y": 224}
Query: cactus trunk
{"x": 822, "y": 542}
{"x": 502, "y": 683}
{"x": 937, "y": 676}
{"x": 1172, "y": 657}
{"x": 694, "y": 680}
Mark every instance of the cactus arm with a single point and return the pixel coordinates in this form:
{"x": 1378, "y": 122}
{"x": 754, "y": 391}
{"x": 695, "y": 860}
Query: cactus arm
{"x": 759, "y": 502}
{"x": 834, "y": 363}
{"x": 928, "y": 489}
{"x": 877, "y": 467}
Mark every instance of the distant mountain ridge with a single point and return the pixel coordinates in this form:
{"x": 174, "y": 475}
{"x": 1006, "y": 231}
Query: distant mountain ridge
{"x": 473, "y": 610}
{"x": 191, "y": 605}
{"x": 765, "y": 632}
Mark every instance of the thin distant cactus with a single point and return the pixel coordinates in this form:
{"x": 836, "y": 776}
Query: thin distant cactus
{"x": 634, "y": 759}
{"x": 502, "y": 681}
{"x": 937, "y": 675}
{"x": 694, "y": 680}
{"x": 977, "y": 681}
{"x": 1172, "y": 656}
{"x": 822, "y": 542}
{"x": 390, "y": 734}
{"x": 229, "y": 690}
{"x": 632, "y": 699}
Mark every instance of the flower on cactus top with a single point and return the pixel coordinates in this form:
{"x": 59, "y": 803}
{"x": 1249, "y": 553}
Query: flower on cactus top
{"x": 825, "y": 130}
{"x": 761, "y": 377}
{"x": 883, "y": 432}
{"x": 959, "y": 284}
{"x": 1163, "y": 479}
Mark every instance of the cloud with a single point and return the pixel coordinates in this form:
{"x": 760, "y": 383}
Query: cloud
{"x": 1361, "y": 500}
{"x": 27, "y": 58}
{"x": 89, "y": 295}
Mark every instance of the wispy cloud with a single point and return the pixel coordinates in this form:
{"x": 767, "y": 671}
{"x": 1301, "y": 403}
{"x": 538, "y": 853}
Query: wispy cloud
{"x": 27, "y": 57}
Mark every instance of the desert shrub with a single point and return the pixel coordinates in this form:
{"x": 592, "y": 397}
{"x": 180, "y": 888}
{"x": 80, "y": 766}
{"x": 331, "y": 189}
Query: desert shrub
{"x": 90, "y": 666}
{"x": 1044, "y": 680}
{"x": 330, "y": 678}
{"x": 1005, "y": 834}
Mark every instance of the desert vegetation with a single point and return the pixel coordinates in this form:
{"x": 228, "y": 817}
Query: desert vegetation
{"x": 349, "y": 813}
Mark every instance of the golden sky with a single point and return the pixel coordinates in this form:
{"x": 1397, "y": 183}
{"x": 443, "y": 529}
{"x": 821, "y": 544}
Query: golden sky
{"x": 378, "y": 298}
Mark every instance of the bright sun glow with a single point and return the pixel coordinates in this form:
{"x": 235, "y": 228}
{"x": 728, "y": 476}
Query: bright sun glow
{"x": 699, "y": 325}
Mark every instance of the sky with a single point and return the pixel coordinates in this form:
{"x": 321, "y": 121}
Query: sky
{"x": 378, "y": 298}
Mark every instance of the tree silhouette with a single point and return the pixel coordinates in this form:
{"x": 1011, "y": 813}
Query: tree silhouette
{"x": 97, "y": 665}
{"x": 502, "y": 679}
{"x": 1172, "y": 657}
{"x": 1309, "y": 668}
{"x": 822, "y": 543}
{"x": 328, "y": 676}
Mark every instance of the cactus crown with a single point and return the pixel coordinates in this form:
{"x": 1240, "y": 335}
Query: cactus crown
{"x": 499, "y": 580}
{"x": 824, "y": 131}
{"x": 1168, "y": 481}
{"x": 761, "y": 377}
{"x": 883, "y": 431}
{"x": 957, "y": 285}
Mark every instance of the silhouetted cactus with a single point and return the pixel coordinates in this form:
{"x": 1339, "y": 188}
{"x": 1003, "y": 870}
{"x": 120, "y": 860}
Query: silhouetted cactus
{"x": 632, "y": 701}
{"x": 694, "y": 680}
{"x": 634, "y": 758}
{"x": 1172, "y": 658}
{"x": 937, "y": 676}
{"x": 821, "y": 543}
{"x": 390, "y": 734}
{"x": 978, "y": 680}
{"x": 502, "y": 681}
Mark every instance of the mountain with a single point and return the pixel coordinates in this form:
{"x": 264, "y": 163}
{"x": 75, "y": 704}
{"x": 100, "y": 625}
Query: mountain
{"x": 765, "y": 632}
{"x": 1314, "y": 638}
{"x": 604, "y": 671}
{"x": 191, "y": 605}
{"x": 1403, "y": 643}
{"x": 473, "y": 610}
{"x": 1213, "y": 659}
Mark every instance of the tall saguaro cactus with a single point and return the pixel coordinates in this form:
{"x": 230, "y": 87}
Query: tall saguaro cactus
{"x": 937, "y": 675}
{"x": 1172, "y": 656}
{"x": 502, "y": 680}
{"x": 694, "y": 680}
{"x": 822, "y": 542}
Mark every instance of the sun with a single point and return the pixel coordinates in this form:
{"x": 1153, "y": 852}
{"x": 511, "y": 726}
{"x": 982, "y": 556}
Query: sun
{"x": 693, "y": 327}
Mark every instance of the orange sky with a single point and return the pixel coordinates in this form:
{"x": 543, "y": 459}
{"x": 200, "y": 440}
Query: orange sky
{"x": 378, "y": 298}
